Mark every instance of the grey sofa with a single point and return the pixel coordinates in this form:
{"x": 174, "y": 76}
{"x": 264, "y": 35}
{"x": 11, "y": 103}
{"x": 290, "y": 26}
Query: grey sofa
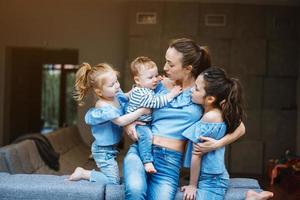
{"x": 24, "y": 175}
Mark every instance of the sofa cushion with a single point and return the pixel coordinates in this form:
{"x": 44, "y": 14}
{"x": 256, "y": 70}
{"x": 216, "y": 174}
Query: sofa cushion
{"x": 238, "y": 193}
{"x": 91, "y": 164}
{"x": 243, "y": 183}
{"x": 117, "y": 192}
{"x": 29, "y": 156}
{"x": 3, "y": 176}
{"x": 113, "y": 192}
{"x": 33, "y": 186}
{"x": 3, "y": 164}
{"x": 73, "y": 151}
{"x": 24, "y": 157}
{"x": 12, "y": 159}
{"x": 58, "y": 141}
{"x": 237, "y": 190}
{"x": 64, "y": 139}
{"x": 76, "y": 156}
{"x": 47, "y": 187}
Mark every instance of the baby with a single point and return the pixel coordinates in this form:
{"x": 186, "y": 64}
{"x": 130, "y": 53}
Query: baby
{"x": 146, "y": 78}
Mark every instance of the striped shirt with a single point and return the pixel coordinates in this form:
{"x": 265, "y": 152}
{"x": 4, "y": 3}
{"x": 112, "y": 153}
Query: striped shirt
{"x": 145, "y": 98}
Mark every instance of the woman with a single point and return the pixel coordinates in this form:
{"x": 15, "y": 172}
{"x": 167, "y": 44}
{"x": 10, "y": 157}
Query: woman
{"x": 185, "y": 60}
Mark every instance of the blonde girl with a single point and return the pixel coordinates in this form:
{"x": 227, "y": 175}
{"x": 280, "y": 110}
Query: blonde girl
{"x": 105, "y": 120}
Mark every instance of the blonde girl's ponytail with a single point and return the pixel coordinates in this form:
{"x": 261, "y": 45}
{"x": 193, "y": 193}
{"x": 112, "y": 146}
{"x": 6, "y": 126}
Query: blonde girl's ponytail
{"x": 82, "y": 83}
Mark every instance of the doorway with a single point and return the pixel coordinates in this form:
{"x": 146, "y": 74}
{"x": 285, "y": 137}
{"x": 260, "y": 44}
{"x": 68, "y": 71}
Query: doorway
{"x": 25, "y": 94}
{"x": 58, "y": 109}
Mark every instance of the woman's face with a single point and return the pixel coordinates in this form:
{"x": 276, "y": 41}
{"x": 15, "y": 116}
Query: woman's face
{"x": 173, "y": 67}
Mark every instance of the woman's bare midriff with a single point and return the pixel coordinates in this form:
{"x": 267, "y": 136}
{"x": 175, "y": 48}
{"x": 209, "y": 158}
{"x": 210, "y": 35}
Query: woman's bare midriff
{"x": 177, "y": 145}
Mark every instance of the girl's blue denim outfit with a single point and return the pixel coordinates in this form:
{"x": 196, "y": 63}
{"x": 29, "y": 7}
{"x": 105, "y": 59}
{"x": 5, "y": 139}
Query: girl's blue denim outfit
{"x": 169, "y": 121}
{"x": 213, "y": 178}
{"x": 107, "y": 135}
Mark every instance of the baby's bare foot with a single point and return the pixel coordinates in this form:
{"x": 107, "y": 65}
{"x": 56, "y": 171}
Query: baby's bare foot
{"x": 264, "y": 195}
{"x": 149, "y": 167}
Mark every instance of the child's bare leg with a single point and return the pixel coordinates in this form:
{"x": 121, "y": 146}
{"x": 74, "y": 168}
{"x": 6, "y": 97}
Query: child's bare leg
{"x": 264, "y": 195}
{"x": 79, "y": 174}
{"x": 149, "y": 167}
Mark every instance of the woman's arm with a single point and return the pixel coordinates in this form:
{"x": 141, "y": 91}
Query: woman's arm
{"x": 208, "y": 144}
{"x": 130, "y": 117}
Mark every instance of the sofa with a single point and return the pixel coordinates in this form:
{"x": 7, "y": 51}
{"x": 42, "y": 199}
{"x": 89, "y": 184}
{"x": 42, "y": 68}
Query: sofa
{"x": 23, "y": 157}
{"x": 24, "y": 175}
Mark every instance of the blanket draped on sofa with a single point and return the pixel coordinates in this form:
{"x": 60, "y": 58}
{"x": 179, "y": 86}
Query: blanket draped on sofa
{"x": 45, "y": 149}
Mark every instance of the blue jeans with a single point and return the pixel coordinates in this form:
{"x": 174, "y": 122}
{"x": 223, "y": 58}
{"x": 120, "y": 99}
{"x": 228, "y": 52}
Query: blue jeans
{"x": 145, "y": 143}
{"x": 105, "y": 158}
{"x": 212, "y": 186}
{"x": 161, "y": 185}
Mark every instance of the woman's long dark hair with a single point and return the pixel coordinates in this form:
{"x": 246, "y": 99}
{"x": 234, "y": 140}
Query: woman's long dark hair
{"x": 228, "y": 94}
{"x": 192, "y": 54}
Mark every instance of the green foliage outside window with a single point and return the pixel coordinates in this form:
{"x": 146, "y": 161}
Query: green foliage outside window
{"x": 51, "y": 99}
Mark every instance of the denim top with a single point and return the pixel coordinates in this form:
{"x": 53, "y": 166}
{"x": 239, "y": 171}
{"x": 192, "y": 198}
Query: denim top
{"x": 213, "y": 161}
{"x": 179, "y": 114}
{"x": 103, "y": 129}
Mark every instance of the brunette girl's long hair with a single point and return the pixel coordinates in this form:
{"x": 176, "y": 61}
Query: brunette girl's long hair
{"x": 228, "y": 94}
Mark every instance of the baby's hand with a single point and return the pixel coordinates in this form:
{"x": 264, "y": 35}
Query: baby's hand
{"x": 189, "y": 192}
{"x": 160, "y": 77}
{"x": 175, "y": 91}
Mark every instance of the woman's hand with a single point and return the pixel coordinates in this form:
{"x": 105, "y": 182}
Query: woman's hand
{"x": 146, "y": 111}
{"x": 208, "y": 144}
{"x": 189, "y": 192}
{"x": 131, "y": 131}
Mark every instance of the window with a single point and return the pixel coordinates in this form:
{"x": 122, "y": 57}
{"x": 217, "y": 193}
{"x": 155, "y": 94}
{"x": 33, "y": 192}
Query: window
{"x": 58, "y": 107}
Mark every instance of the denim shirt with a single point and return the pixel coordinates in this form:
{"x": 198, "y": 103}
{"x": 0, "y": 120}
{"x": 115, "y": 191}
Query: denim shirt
{"x": 179, "y": 114}
{"x": 103, "y": 129}
{"x": 212, "y": 162}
